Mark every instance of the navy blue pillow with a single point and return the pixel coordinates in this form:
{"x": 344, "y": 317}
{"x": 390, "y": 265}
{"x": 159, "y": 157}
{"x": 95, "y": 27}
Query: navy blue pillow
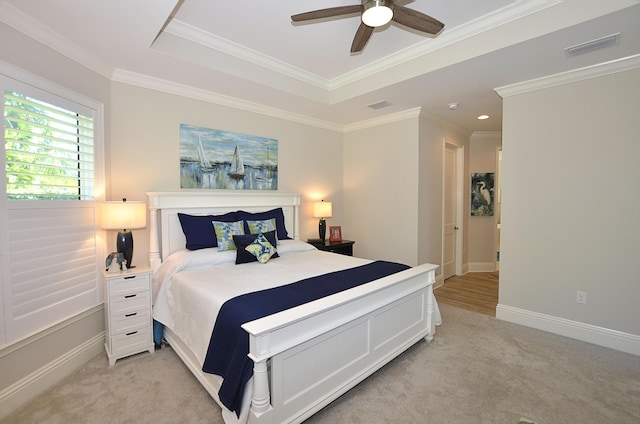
{"x": 199, "y": 231}
{"x": 259, "y": 216}
{"x": 242, "y": 241}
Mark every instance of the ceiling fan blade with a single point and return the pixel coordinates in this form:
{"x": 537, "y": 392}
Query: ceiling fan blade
{"x": 327, "y": 13}
{"x": 416, "y": 20}
{"x": 362, "y": 36}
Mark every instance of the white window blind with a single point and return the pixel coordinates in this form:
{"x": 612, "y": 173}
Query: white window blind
{"x": 48, "y": 149}
{"x": 52, "y": 264}
{"x": 49, "y": 250}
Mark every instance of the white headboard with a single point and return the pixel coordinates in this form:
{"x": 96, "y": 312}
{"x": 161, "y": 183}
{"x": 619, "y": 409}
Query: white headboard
{"x": 165, "y": 231}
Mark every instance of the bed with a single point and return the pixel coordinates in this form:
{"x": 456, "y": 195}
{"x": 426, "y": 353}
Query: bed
{"x": 304, "y": 357}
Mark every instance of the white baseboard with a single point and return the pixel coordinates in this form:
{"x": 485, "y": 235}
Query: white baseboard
{"x": 42, "y": 379}
{"x": 613, "y": 339}
{"x": 481, "y": 267}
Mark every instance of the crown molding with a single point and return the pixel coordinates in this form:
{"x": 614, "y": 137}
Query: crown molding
{"x": 486, "y": 135}
{"x": 386, "y": 119}
{"x": 576, "y": 75}
{"x": 23, "y": 23}
{"x": 207, "y": 39}
{"x": 144, "y": 81}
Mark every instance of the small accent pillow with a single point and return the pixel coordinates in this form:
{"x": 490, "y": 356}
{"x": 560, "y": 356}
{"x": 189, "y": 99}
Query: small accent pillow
{"x": 198, "y": 230}
{"x": 225, "y": 232}
{"x": 255, "y": 247}
{"x": 262, "y": 226}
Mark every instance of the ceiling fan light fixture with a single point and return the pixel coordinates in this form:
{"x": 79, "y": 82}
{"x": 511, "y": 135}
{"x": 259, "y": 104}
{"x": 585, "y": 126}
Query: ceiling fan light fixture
{"x": 377, "y": 13}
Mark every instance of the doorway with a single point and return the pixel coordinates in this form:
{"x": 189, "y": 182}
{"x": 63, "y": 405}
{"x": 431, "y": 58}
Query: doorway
{"x": 452, "y": 209}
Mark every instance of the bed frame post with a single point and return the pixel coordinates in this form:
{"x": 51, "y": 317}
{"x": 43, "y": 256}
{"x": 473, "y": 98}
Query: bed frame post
{"x": 431, "y": 322}
{"x": 154, "y": 244}
{"x": 261, "y": 409}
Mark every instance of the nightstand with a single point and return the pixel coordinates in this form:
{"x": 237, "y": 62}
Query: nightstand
{"x": 344, "y": 247}
{"x": 128, "y": 323}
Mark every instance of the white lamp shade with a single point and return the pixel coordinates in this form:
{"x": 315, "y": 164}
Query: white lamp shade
{"x": 376, "y": 13}
{"x": 322, "y": 210}
{"x": 123, "y": 215}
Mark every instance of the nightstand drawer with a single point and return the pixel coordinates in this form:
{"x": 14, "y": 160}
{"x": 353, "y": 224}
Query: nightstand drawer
{"x": 127, "y": 322}
{"x": 129, "y": 303}
{"x": 128, "y": 284}
{"x": 131, "y": 341}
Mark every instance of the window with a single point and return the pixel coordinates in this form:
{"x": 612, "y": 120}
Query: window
{"x": 49, "y": 150}
{"x": 52, "y": 170}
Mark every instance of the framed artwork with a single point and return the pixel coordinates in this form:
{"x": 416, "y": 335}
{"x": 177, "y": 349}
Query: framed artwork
{"x": 218, "y": 159}
{"x": 335, "y": 233}
{"x": 482, "y": 193}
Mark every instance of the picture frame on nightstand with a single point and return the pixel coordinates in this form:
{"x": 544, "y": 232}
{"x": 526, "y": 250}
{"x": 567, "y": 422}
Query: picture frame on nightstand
{"x": 335, "y": 233}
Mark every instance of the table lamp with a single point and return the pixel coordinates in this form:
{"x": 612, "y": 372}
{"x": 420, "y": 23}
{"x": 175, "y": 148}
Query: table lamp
{"x": 322, "y": 210}
{"x": 124, "y": 216}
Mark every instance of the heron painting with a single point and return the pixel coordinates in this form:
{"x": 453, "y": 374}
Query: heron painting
{"x": 482, "y": 194}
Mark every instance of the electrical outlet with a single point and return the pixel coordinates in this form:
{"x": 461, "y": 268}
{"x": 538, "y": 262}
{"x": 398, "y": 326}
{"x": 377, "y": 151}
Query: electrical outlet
{"x": 581, "y": 297}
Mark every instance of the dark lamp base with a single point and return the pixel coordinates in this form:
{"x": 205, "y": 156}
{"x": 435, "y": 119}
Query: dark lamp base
{"x": 322, "y": 229}
{"x": 124, "y": 245}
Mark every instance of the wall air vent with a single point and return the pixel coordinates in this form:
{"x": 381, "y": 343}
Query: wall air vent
{"x": 379, "y": 105}
{"x": 588, "y": 46}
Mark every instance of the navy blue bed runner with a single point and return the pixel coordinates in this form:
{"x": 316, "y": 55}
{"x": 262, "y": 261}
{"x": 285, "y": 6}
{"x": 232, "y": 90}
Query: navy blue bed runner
{"x": 229, "y": 344}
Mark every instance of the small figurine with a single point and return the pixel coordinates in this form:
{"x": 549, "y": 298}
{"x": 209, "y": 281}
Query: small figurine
{"x": 115, "y": 262}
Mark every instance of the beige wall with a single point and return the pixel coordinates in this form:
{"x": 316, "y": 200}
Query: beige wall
{"x": 145, "y": 148}
{"x": 570, "y": 204}
{"x": 393, "y": 179}
{"x": 381, "y": 191}
{"x": 482, "y": 229}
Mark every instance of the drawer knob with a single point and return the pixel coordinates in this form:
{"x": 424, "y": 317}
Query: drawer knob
{"x": 131, "y": 315}
{"x": 132, "y": 333}
{"x": 129, "y": 296}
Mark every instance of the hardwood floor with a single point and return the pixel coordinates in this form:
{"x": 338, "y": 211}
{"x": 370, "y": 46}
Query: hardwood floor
{"x": 474, "y": 291}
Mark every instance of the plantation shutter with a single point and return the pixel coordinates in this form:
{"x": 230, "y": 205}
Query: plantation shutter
{"x": 48, "y": 238}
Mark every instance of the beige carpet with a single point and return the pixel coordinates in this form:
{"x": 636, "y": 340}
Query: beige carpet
{"x": 477, "y": 370}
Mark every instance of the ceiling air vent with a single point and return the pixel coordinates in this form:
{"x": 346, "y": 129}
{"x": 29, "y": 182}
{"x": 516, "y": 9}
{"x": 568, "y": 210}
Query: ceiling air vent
{"x": 598, "y": 43}
{"x": 379, "y": 105}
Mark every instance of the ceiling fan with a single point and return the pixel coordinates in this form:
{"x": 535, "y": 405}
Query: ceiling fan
{"x": 375, "y": 13}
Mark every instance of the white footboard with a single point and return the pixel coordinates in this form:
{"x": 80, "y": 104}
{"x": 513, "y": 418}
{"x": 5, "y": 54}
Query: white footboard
{"x": 320, "y": 350}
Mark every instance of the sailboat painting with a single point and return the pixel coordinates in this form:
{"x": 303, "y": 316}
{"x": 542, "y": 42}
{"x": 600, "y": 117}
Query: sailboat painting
{"x": 218, "y": 159}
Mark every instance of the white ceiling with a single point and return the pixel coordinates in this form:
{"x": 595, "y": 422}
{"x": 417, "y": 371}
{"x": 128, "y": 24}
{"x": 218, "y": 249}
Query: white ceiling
{"x": 248, "y": 53}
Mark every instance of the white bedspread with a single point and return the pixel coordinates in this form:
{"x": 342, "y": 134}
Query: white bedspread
{"x": 191, "y": 286}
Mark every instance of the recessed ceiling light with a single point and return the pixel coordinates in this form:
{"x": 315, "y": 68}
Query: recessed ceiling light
{"x": 453, "y": 106}
{"x": 481, "y": 117}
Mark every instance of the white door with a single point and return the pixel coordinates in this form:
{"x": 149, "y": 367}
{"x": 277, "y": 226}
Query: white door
{"x": 450, "y": 213}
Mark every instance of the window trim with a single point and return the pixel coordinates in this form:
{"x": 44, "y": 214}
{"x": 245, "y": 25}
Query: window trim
{"x": 13, "y": 77}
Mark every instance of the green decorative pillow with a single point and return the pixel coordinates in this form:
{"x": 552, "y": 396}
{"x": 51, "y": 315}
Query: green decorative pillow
{"x": 261, "y": 226}
{"x": 247, "y": 252}
{"x": 225, "y": 232}
{"x": 261, "y": 249}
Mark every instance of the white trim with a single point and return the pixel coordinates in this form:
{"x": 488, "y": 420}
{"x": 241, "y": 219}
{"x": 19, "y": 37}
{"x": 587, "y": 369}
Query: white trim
{"x": 166, "y": 86}
{"x": 486, "y": 135}
{"x": 25, "y": 24}
{"x": 594, "y": 71}
{"x": 618, "y": 340}
{"x": 40, "y": 380}
{"x": 385, "y": 119}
